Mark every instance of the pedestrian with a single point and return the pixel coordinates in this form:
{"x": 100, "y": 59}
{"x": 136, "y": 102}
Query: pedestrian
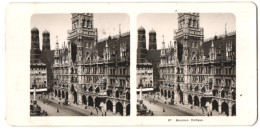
{"x": 97, "y": 110}
{"x": 102, "y": 114}
{"x": 202, "y": 110}
{"x": 58, "y": 110}
{"x": 105, "y": 113}
{"x": 163, "y": 110}
{"x": 91, "y": 113}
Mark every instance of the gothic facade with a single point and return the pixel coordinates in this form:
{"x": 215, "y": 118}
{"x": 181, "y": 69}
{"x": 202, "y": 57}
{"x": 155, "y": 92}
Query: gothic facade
{"x": 88, "y": 72}
{"x": 197, "y": 72}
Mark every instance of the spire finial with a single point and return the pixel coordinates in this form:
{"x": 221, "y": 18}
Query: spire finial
{"x": 56, "y": 38}
{"x": 212, "y": 44}
{"x": 163, "y": 38}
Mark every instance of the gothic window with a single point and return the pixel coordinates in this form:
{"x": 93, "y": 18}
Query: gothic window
{"x": 83, "y": 23}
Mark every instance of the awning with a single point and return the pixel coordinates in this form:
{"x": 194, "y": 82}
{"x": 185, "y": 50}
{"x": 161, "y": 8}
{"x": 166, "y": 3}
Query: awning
{"x": 145, "y": 89}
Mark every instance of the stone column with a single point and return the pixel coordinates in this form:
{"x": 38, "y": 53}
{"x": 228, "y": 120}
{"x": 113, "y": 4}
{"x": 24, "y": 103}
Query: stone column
{"x": 219, "y": 108}
{"x": 114, "y": 108}
{"x": 185, "y": 98}
{"x": 79, "y": 99}
{"x": 104, "y": 107}
{"x": 124, "y": 111}
{"x": 176, "y": 98}
{"x": 229, "y": 110}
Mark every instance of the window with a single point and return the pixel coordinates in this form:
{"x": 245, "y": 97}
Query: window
{"x": 228, "y": 82}
{"x": 218, "y": 81}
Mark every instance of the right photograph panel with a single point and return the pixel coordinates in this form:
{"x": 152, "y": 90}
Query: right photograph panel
{"x": 186, "y": 64}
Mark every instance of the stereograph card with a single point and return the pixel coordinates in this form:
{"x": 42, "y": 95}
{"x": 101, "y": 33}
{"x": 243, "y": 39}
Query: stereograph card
{"x": 128, "y": 64}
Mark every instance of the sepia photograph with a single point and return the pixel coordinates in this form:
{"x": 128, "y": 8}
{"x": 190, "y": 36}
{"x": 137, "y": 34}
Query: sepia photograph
{"x": 186, "y": 64}
{"x": 80, "y": 65}
{"x": 189, "y": 66}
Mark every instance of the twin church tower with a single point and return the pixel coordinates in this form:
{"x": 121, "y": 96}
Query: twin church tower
{"x": 35, "y": 44}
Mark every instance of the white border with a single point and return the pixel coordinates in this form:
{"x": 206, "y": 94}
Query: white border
{"x": 17, "y": 61}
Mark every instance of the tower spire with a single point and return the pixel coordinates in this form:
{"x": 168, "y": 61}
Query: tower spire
{"x": 120, "y": 30}
{"x": 226, "y": 29}
{"x": 163, "y": 43}
{"x": 57, "y": 43}
{"x": 212, "y": 44}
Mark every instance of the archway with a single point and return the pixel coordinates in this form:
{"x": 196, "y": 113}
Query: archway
{"x": 127, "y": 95}
{"x": 90, "y": 101}
{"x": 97, "y": 102}
{"x": 117, "y": 94}
{"x": 55, "y": 92}
{"x": 169, "y": 94}
{"x": 59, "y": 94}
{"x": 224, "y": 108}
{"x": 75, "y": 97}
{"x": 214, "y": 105}
{"x": 233, "y": 109}
{"x": 165, "y": 93}
{"x": 172, "y": 94}
{"x": 84, "y": 88}
{"x": 181, "y": 96}
{"x": 196, "y": 101}
{"x": 203, "y": 101}
{"x": 67, "y": 96}
{"x": 62, "y": 94}
{"x": 128, "y": 110}
{"x": 97, "y": 90}
{"x": 161, "y": 92}
{"x": 190, "y": 99}
{"x": 119, "y": 108}
{"x": 72, "y": 88}
{"x": 109, "y": 105}
{"x": 84, "y": 100}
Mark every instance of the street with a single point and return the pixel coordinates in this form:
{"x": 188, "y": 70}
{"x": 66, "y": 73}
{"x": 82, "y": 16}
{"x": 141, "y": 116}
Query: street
{"x": 170, "y": 110}
{"x": 51, "y": 107}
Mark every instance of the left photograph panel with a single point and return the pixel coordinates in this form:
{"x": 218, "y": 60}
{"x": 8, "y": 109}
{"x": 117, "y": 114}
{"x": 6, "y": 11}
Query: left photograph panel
{"x": 80, "y": 64}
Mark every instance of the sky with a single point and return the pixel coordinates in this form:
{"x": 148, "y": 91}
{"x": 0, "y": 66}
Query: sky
{"x": 59, "y": 24}
{"x": 165, "y": 23}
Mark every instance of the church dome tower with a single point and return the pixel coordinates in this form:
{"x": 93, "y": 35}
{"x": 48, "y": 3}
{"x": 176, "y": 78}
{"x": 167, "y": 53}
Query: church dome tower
{"x": 35, "y": 46}
{"x": 152, "y": 40}
{"x": 141, "y": 50}
{"x": 45, "y": 40}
